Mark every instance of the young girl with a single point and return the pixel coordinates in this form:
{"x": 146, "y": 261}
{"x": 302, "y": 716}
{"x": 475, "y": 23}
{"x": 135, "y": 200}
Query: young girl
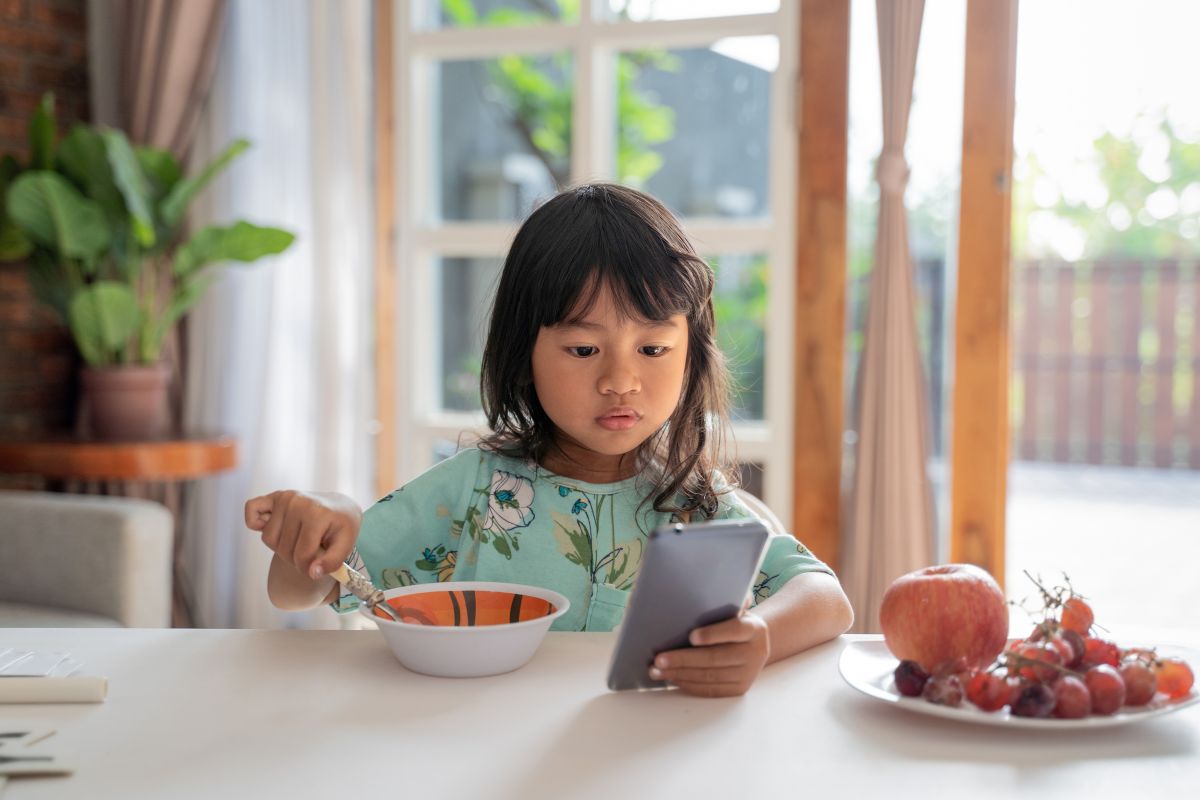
{"x": 606, "y": 397}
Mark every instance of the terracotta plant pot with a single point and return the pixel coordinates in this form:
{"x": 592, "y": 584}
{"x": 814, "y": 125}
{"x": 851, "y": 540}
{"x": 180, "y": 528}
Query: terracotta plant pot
{"x": 127, "y": 403}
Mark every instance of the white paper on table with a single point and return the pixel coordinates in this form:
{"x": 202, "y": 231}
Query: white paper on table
{"x": 36, "y": 664}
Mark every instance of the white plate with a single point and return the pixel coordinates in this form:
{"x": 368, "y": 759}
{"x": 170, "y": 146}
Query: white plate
{"x": 868, "y": 667}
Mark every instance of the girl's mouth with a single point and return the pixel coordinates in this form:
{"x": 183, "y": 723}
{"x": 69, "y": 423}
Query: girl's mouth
{"x": 621, "y": 418}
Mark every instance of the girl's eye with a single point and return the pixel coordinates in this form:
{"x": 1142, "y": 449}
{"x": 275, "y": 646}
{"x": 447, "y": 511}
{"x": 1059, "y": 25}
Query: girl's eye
{"x": 653, "y": 350}
{"x": 583, "y": 351}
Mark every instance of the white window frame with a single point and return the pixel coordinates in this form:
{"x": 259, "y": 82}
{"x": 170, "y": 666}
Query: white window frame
{"x": 419, "y": 243}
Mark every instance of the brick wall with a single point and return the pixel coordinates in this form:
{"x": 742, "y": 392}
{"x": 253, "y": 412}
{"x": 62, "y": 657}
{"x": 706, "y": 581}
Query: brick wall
{"x": 43, "y": 47}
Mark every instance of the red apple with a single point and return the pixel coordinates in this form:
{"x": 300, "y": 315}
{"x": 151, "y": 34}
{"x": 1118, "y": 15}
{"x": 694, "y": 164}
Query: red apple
{"x": 941, "y": 613}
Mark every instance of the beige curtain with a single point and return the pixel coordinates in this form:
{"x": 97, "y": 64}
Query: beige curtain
{"x": 165, "y": 62}
{"x": 151, "y": 65}
{"x": 890, "y": 520}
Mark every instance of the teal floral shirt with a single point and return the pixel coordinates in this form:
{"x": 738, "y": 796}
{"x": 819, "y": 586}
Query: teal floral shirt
{"x": 480, "y": 516}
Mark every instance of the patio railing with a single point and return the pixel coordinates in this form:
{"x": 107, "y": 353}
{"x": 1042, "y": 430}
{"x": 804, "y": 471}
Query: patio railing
{"x": 1105, "y": 359}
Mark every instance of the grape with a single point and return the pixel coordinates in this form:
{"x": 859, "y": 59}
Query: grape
{"x": 1035, "y": 700}
{"x": 988, "y": 691}
{"x": 1175, "y": 677}
{"x": 1065, "y": 649}
{"x": 1107, "y": 688}
{"x": 1100, "y": 651}
{"x": 1072, "y": 698}
{"x": 1077, "y": 646}
{"x": 944, "y": 690}
{"x": 1139, "y": 683}
{"x": 1077, "y": 615}
{"x": 1036, "y": 662}
{"x": 1015, "y": 687}
{"x": 910, "y": 678}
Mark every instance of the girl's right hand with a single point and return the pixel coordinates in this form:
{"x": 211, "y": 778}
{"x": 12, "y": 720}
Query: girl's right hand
{"x": 312, "y": 531}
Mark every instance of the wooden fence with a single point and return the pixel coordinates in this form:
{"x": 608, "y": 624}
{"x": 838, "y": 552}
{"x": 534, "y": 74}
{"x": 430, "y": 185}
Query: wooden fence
{"x": 1105, "y": 359}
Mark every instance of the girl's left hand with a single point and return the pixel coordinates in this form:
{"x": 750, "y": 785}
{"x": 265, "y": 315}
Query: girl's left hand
{"x": 724, "y": 661}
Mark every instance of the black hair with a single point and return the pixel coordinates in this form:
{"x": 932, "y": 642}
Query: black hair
{"x": 581, "y": 241}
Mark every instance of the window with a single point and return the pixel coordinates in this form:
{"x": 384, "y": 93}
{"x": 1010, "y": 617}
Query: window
{"x": 501, "y": 103}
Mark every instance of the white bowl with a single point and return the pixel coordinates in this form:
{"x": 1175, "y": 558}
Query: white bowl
{"x": 459, "y": 629}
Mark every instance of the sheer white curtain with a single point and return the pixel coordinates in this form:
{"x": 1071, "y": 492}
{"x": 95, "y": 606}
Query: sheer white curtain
{"x": 278, "y": 353}
{"x": 890, "y": 524}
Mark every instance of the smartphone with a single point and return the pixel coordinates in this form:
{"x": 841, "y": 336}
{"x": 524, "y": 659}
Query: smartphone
{"x": 691, "y": 575}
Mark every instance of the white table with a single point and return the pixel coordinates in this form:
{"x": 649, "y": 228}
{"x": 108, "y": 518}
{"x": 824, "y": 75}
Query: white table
{"x": 270, "y": 714}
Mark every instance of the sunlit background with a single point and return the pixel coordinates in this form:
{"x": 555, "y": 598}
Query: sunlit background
{"x": 1105, "y": 415}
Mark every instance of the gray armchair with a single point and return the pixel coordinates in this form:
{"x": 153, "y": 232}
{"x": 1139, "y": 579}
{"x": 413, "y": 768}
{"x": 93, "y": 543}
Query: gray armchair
{"x": 84, "y": 561}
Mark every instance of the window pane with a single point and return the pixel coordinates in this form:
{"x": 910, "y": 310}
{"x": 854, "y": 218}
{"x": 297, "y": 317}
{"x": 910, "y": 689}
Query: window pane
{"x": 740, "y": 303}
{"x": 467, "y": 286}
{"x": 495, "y": 13}
{"x": 693, "y": 125}
{"x": 503, "y": 131}
{"x": 648, "y": 10}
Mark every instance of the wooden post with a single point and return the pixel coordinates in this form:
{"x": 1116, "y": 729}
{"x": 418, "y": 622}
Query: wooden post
{"x": 980, "y": 438}
{"x": 822, "y": 99}
{"x": 385, "y": 247}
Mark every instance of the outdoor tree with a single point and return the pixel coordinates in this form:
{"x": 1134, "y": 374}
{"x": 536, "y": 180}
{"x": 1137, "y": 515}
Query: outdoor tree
{"x": 1142, "y": 198}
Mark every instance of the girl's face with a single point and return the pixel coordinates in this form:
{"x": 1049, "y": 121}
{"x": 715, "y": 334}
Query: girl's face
{"x": 608, "y": 384}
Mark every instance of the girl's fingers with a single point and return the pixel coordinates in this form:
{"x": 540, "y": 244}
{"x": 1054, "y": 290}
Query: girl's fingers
{"x": 271, "y": 531}
{"x": 258, "y": 511}
{"x": 731, "y": 630}
{"x": 702, "y": 657}
{"x": 717, "y": 675}
{"x": 311, "y": 547}
{"x": 290, "y": 532}
{"x": 335, "y": 549}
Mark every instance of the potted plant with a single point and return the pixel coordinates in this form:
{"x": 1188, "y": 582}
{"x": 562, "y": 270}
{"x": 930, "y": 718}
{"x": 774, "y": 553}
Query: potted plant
{"x": 100, "y": 223}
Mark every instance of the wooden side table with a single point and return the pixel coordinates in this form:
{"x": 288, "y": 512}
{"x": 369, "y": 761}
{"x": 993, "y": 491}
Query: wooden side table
{"x": 152, "y": 470}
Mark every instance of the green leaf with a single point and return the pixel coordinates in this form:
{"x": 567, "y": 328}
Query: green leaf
{"x": 181, "y": 194}
{"x": 132, "y": 182}
{"x": 52, "y": 212}
{"x": 186, "y": 295}
{"x": 161, "y": 167}
{"x": 460, "y": 12}
{"x": 49, "y": 285}
{"x": 41, "y": 134}
{"x": 102, "y": 317}
{"x": 501, "y": 547}
{"x": 82, "y": 156}
{"x": 14, "y": 245}
{"x": 239, "y": 242}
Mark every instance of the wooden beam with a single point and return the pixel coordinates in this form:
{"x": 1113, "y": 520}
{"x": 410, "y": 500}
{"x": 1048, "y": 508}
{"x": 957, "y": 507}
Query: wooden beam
{"x": 385, "y": 246}
{"x": 979, "y": 464}
{"x": 822, "y": 94}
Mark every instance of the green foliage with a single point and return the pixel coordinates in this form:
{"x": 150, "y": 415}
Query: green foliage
{"x": 1120, "y": 222}
{"x": 741, "y": 313}
{"x": 537, "y": 96}
{"x": 99, "y": 221}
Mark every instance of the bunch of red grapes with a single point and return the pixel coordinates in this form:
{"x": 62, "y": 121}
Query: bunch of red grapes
{"x": 1062, "y": 669}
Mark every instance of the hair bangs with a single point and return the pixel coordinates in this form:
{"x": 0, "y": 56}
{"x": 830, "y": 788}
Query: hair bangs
{"x": 648, "y": 280}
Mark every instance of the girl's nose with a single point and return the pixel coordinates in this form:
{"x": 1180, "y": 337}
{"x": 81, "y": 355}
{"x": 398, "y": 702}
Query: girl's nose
{"x": 618, "y": 377}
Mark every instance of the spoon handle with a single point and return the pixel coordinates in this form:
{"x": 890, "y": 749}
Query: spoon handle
{"x": 361, "y": 587}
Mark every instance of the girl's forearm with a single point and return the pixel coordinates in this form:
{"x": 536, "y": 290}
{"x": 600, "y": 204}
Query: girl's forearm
{"x": 289, "y": 590}
{"x": 809, "y": 609}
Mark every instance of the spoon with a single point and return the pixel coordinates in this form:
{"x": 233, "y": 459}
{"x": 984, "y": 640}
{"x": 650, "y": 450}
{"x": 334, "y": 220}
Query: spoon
{"x": 361, "y": 587}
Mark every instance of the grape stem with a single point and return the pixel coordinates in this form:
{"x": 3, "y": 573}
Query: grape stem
{"x": 1016, "y": 661}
